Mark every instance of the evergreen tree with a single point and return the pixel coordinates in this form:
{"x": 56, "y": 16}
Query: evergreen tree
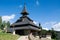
{"x": 0, "y": 22}
{"x": 8, "y": 24}
{"x": 40, "y": 26}
{"x": 53, "y": 36}
{"x": 40, "y": 32}
{"x": 43, "y": 32}
{"x": 4, "y": 24}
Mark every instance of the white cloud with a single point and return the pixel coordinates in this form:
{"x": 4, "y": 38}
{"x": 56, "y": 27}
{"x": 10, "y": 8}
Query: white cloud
{"x": 36, "y": 23}
{"x": 8, "y": 18}
{"x": 37, "y": 2}
{"x": 56, "y": 26}
{"x": 45, "y": 28}
{"x": 50, "y": 23}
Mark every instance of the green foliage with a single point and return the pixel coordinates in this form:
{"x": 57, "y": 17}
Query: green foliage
{"x": 1, "y": 30}
{"x": 40, "y": 26}
{"x": 0, "y": 22}
{"x": 49, "y": 31}
{"x": 3, "y": 35}
{"x": 8, "y": 24}
{"x": 4, "y": 23}
{"x": 43, "y": 32}
{"x": 54, "y": 34}
{"x": 53, "y": 39}
{"x": 2, "y": 27}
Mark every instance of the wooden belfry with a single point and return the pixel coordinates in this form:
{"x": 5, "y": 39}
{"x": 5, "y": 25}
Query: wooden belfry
{"x": 24, "y": 25}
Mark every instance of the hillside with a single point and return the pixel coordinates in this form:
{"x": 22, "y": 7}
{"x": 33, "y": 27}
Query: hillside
{"x": 7, "y": 36}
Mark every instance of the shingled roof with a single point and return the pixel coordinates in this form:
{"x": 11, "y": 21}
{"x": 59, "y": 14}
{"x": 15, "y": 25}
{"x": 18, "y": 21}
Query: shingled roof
{"x": 24, "y": 22}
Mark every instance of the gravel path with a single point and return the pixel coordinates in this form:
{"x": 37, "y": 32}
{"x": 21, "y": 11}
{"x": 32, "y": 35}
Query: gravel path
{"x": 26, "y": 38}
{"x": 23, "y": 38}
{"x": 45, "y": 39}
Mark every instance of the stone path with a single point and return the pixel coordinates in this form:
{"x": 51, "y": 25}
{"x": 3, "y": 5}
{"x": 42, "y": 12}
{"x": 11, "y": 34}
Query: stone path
{"x": 26, "y": 38}
{"x": 23, "y": 38}
{"x": 45, "y": 39}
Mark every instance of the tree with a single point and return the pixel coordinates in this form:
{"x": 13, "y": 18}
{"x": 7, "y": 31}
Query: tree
{"x": 0, "y": 21}
{"x": 4, "y": 24}
{"x": 8, "y": 24}
{"x": 40, "y": 26}
{"x": 43, "y": 32}
{"x": 53, "y": 36}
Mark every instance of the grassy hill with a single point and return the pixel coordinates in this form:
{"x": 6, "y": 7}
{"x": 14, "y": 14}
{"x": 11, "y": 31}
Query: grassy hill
{"x": 8, "y": 36}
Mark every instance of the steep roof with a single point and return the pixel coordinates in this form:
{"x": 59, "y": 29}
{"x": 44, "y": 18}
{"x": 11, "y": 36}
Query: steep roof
{"x": 24, "y": 11}
{"x": 23, "y": 21}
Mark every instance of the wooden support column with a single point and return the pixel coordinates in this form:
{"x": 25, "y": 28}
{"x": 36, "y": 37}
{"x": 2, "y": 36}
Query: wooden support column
{"x": 13, "y": 30}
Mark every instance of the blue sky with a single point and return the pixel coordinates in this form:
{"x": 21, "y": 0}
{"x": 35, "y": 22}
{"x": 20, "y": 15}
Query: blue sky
{"x": 47, "y": 12}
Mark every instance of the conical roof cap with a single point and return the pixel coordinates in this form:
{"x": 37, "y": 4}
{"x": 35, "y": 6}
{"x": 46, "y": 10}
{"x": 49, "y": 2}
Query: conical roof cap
{"x": 24, "y": 11}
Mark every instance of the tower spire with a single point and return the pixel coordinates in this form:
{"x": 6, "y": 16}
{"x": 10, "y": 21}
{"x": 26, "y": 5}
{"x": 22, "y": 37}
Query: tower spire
{"x": 24, "y": 11}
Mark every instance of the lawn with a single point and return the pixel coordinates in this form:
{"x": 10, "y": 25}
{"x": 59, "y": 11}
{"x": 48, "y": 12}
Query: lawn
{"x": 53, "y": 39}
{"x": 8, "y": 36}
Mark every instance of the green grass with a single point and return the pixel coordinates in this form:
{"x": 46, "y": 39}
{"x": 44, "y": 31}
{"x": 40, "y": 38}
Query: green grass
{"x": 1, "y": 30}
{"x": 8, "y": 36}
{"x": 53, "y": 39}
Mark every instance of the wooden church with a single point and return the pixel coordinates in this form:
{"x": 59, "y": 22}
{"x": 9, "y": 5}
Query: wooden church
{"x": 24, "y": 25}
